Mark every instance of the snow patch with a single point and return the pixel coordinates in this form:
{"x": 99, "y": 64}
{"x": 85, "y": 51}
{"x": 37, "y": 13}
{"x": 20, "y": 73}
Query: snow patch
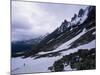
{"x": 86, "y": 46}
{"x": 50, "y": 40}
{"x": 93, "y": 33}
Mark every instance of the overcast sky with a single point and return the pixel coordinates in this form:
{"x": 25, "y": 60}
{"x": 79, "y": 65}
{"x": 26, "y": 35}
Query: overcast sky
{"x": 31, "y": 19}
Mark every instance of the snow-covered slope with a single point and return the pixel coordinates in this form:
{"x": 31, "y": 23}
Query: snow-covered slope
{"x": 66, "y": 44}
{"x": 31, "y": 65}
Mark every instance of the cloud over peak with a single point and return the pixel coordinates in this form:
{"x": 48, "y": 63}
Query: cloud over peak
{"x": 32, "y": 19}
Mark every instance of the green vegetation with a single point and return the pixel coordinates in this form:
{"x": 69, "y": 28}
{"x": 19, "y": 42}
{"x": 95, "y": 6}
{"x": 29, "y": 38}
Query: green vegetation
{"x": 84, "y": 59}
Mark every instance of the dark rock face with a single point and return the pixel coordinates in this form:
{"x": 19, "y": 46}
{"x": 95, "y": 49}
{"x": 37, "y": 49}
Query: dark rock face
{"x": 74, "y": 17}
{"x": 81, "y": 13}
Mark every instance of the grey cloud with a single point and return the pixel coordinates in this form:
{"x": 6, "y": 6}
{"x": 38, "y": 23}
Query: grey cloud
{"x": 30, "y": 20}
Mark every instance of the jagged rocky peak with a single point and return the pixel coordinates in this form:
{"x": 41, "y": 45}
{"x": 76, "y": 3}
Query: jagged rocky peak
{"x": 79, "y": 18}
{"x": 76, "y": 20}
{"x": 81, "y": 12}
{"x": 65, "y": 22}
{"x": 74, "y": 17}
{"x": 64, "y": 26}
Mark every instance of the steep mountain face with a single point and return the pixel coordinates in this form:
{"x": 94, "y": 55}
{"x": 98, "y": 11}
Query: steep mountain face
{"x": 64, "y": 26}
{"x": 85, "y": 20}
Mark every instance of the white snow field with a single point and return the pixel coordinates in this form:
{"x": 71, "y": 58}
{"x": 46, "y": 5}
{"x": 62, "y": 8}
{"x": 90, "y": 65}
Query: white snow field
{"x": 31, "y": 65}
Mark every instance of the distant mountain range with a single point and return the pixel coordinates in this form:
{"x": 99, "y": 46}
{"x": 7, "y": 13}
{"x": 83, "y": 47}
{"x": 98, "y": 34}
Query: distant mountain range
{"x": 25, "y": 45}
